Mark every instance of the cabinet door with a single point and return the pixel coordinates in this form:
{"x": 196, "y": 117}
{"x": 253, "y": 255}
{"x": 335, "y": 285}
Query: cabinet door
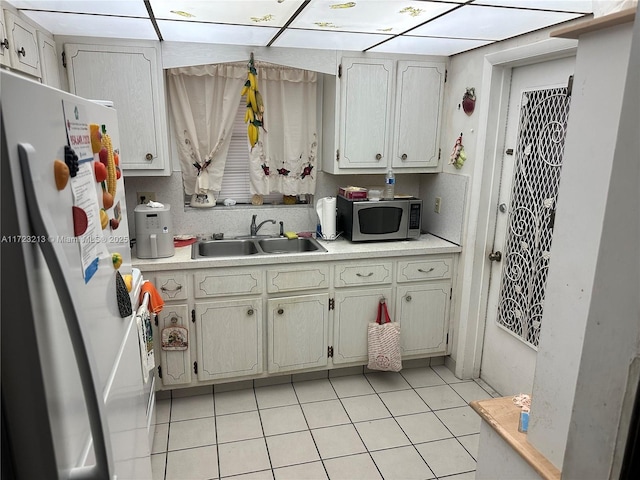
{"x": 176, "y": 364}
{"x": 365, "y": 126}
{"x": 130, "y": 78}
{"x": 354, "y": 310}
{"x": 229, "y": 338}
{"x": 423, "y": 312}
{"x": 298, "y": 330}
{"x": 48, "y": 60}
{"x": 5, "y": 58}
{"x": 419, "y": 94}
{"x": 23, "y": 45}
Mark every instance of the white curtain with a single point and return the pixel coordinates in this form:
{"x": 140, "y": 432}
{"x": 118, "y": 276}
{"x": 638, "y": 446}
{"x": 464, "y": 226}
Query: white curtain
{"x": 284, "y": 158}
{"x": 204, "y": 101}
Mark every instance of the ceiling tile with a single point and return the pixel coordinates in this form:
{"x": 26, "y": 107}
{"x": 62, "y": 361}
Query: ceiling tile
{"x": 173, "y": 31}
{"x": 490, "y": 23}
{"x": 270, "y": 13}
{"x": 428, "y": 45}
{"x": 327, "y": 40}
{"x": 368, "y": 16}
{"x": 94, "y": 25}
{"x": 584, "y": 6}
{"x": 126, "y": 8}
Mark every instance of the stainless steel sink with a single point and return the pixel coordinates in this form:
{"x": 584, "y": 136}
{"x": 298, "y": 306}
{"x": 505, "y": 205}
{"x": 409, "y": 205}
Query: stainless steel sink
{"x": 224, "y": 248}
{"x": 254, "y": 246}
{"x": 285, "y": 245}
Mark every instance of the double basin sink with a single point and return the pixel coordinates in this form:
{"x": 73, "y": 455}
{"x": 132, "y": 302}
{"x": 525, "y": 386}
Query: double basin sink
{"x": 254, "y": 246}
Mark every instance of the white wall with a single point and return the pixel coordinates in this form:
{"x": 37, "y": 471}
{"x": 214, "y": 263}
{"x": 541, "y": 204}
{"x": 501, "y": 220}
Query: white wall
{"x": 592, "y": 311}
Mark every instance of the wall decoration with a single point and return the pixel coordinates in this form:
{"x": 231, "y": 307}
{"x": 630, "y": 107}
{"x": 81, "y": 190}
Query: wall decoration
{"x": 469, "y": 101}
{"x": 458, "y": 156}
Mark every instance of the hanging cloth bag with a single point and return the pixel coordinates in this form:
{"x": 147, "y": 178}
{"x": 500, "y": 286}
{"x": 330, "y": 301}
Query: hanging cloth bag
{"x": 384, "y": 342}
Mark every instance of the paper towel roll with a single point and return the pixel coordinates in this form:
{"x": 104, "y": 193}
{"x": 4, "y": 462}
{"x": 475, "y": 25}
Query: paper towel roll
{"x": 326, "y": 209}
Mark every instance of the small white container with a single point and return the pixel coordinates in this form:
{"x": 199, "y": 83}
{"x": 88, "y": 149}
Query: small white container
{"x": 374, "y": 195}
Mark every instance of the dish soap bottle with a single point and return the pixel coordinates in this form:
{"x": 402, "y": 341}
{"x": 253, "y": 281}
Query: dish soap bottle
{"x": 389, "y": 184}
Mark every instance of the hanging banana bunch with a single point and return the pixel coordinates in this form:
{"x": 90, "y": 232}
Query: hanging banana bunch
{"x": 255, "y": 106}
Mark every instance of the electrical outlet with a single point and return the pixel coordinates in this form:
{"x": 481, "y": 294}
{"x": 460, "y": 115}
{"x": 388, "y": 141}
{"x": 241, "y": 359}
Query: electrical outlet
{"x": 437, "y": 205}
{"x": 144, "y": 197}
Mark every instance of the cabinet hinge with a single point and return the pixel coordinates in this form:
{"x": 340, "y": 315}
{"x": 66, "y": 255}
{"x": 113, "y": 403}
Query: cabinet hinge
{"x": 450, "y": 293}
{"x": 195, "y": 367}
{"x": 337, "y": 155}
{"x": 447, "y": 339}
{"x": 439, "y": 153}
{"x": 340, "y": 71}
{"x": 330, "y": 352}
{"x": 332, "y": 303}
{"x": 155, "y": 320}
{"x": 64, "y": 59}
{"x": 159, "y": 371}
{"x": 446, "y": 74}
{"x": 570, "y": 86}
{"x": 193, "y": 315}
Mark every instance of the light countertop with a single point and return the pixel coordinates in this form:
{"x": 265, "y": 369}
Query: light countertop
{"x": 340, "y": 249}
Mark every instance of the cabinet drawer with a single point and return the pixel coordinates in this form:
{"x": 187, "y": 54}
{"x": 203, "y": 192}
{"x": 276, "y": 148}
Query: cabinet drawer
{"x": 377, "y": 273}
{"x": 172, "y": 286}
{"x": 306, "y": 278}
{"x": 412, "y": 270}
{"x": 227, "y": 281}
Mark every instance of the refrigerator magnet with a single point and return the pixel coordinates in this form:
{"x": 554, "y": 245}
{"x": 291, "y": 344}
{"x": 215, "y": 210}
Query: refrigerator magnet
{"x": 122, "y": 297}
{"x": 60, "y": 174}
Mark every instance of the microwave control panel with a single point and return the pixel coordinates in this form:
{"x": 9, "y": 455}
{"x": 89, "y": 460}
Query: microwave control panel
{"x": 414, "y": 216}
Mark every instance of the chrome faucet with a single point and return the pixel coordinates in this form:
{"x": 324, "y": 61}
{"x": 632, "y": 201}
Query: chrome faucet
{"x": 254, "y": 228}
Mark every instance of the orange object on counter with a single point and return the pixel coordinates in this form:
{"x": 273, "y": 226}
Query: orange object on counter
{"x": 155, "y": 299}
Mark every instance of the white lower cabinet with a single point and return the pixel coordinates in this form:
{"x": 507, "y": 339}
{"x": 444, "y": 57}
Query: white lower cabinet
{"x": 423, "y": 312}
{"x": 250, "y": 322}
{"x": 354, "y": 310}
{"x": 297, "y": 332}
{"x": 229, "y": 339}
{"x": 175, "y": 365}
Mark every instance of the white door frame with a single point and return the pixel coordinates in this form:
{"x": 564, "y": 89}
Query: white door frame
{"x": 496, "y": 82}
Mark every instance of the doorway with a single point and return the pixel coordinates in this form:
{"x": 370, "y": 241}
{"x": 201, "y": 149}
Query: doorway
{"x": 535, "y": 129}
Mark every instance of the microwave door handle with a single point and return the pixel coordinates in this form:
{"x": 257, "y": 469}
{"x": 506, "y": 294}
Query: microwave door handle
{"x": 42, "y": 224}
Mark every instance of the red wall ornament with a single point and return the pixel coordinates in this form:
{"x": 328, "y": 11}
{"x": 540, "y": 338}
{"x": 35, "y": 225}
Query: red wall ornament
{"x": 469, "y": 101}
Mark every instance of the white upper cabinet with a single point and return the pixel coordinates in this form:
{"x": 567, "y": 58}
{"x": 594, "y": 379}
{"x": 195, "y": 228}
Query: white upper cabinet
{"x": 4, "y": 42}
{"x": 365, "y": 112}
{"x": 380, "y": 113}
{"x": 48, "y": 60}
{"x": 418, "y": 110}
{"x": 130, "y": 77}
{"x": 23, "y": 45}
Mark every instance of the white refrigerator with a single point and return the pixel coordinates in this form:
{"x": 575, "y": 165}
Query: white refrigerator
{"x": 77, "y": 394}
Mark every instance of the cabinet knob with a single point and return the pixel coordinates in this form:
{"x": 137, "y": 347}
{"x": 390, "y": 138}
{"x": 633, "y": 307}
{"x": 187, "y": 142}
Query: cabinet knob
{"x": 408, "y": 298}
{"x": 280, "y": 311}
{"x": 404, "y": 156}
{"x": 148, "y": 156}
{"x": 362, "y": 275}
{"x": 165, "y": 289}
{"x": 426, "y": 271}
{"x": 5, "y": 44}
{"x": 378, "y": 156}
{"x": 250, "y": 312}
{"x": 22, "y": 52}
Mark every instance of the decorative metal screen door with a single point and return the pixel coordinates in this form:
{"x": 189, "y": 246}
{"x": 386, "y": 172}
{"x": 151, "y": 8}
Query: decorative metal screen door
{"x": 535, "y": 133}
{"x": 534, "y": 194}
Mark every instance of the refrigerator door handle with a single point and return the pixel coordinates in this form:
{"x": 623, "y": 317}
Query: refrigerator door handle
{"x": 54, "y": 256}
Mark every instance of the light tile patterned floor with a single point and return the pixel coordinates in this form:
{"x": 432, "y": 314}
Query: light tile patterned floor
{"x": 415, "y": 424}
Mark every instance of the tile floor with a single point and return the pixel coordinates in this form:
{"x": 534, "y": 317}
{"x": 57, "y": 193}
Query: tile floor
{"x": 415, "y": 424}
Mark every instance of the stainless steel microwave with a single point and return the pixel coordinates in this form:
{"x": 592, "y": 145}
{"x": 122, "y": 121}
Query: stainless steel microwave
{"x": 364, "y": 220}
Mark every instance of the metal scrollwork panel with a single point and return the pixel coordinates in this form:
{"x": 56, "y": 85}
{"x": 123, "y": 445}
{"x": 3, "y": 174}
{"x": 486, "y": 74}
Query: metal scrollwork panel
{"x": 534, "y": 193}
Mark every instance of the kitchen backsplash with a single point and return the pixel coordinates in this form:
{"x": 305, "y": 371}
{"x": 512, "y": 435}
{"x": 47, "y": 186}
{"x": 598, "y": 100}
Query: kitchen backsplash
{"x": 235, "y": 220}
